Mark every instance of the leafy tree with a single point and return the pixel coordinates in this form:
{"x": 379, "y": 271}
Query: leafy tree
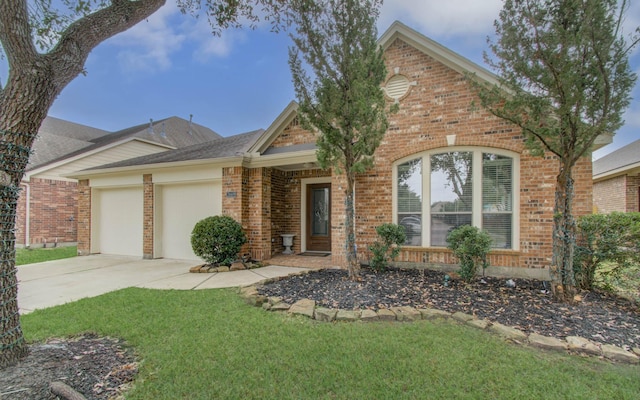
{"x": 46, "y": 48}
{"x": 565, "y": 80}
{"x": 337, "y": 39}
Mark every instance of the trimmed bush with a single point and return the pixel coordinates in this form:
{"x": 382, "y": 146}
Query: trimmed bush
{"x": 392, "y": 237}
{"x": 217, "y": 239}
{"x": 606, "y": 238}
{"x": 471, "y": 246}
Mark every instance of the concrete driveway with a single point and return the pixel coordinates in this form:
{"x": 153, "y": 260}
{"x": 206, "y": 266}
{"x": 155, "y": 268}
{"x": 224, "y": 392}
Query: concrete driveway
{"x": 58, "y": 282}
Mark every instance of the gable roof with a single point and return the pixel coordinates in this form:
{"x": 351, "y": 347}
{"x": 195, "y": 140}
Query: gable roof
{"x": 451, "y": 59}
{"x": 257, "y": 143}
{"x": 623, "y": 160}
{"x": 59, "y": 140}
{"x": 231, "y": 146}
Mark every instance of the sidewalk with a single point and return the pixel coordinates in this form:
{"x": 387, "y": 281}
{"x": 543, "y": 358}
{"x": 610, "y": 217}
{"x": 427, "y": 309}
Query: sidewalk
{"x": 58, "y": 282}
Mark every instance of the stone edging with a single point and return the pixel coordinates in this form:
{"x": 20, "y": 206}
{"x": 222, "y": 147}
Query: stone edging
{"x": 308, "y": 308}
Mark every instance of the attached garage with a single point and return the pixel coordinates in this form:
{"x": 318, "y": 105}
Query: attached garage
{"x": 117, "y": 221}
{"x": 178, "y": 207}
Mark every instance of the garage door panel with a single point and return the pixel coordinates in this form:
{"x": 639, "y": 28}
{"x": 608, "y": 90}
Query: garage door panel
{"x": 181, "y": 207}
{"x": 120, "y": 221}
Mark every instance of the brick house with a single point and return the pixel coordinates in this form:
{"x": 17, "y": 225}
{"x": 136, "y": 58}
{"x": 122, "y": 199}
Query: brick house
{"x": 616, "y": 180}
{"x": 443, "y": 163}
{"x": 47, "y": 207}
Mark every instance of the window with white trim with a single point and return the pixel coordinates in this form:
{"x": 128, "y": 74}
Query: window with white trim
{"x": 469, "y": 186}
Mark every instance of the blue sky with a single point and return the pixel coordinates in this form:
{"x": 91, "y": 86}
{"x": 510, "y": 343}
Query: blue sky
{"x": 172, "y": 65}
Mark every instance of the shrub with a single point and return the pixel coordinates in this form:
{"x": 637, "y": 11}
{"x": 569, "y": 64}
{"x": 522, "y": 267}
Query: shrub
{"x": 392, "y": 237}
{"x": 613, "y": 239}
{"x": 471, "y": 246}
{"x": 217, "y": 239}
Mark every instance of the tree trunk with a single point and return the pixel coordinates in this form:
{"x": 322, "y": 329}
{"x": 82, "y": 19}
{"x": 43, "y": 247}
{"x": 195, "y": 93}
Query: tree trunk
{"x": 23, "y": 105}
{"x": 350, "y": 232}
{"x": 564, "y": 238}
{"x": 34, "y": 81}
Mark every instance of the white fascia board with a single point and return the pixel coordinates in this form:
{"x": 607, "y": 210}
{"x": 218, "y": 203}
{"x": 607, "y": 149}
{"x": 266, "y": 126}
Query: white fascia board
{"x": 625, "y": 170}
{"x": 27, "y": 175}
{"x": 150, "y": 168}
{"x": 276, "y": 127}
{"x": 281, "y": 159}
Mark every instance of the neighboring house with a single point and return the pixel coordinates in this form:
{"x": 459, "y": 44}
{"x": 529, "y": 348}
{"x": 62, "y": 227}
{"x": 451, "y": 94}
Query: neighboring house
{"x": 616, "y": 180}
{"x": 270, "y": 182}
{"x": 47, "y": 208}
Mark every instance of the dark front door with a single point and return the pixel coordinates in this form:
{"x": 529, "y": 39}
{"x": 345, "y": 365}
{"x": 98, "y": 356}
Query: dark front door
{"x": 319, "y": 217}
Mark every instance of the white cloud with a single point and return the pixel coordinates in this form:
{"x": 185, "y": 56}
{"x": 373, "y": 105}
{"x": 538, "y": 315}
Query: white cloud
{"x": 148, "y": 46}
{"x": 208, "y": 45}
{"x": 446, "y": 18}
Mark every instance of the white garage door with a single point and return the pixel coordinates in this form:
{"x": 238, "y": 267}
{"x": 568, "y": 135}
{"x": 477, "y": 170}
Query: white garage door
{"x": 117, "y": 220}
{"x": 178, "y": 208}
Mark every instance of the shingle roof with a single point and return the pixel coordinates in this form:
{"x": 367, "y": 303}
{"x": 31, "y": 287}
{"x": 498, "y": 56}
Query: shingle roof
{"x": 59, "y": 140}
{"x": 172, "y": 131}
{"x": 624, "y": 156}
{"x": 57, "y": 137}
{"x": 220, "y": 148}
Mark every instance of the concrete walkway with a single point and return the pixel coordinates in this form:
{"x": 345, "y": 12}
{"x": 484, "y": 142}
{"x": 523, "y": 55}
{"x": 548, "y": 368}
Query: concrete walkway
{"x": 58, "y": 282}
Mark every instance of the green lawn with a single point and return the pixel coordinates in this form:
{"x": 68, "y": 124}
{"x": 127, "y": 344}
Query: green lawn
{"x": 30, "y": 256}
{"x": 209, "y": 344}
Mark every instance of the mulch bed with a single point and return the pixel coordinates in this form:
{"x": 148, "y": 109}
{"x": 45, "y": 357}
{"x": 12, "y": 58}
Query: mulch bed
{"x": 99, "y": 368}
{"x": 600, "y": 317}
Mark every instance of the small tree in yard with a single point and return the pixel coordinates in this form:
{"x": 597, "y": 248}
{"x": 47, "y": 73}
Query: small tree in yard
{"x": 65, "y": 31}
{"x": 392, "y": 237}
{"x": 344, "y": 103}
{"x": 565, "y": 80}
{"x": 471, "y": 246}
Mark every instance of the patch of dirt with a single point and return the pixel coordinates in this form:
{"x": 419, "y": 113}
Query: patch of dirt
{"x": 99, "y": 368}
{"x": 528, "y": 306}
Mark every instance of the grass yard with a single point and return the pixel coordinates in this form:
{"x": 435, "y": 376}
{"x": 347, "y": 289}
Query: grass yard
{"x": 30, "y": 256}
{"x": 209, "y": 344}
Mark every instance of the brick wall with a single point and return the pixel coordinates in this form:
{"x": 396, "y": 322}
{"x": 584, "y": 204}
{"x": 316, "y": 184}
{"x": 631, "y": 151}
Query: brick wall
{"x": 84, "y": 218}
{"x": 53, "y": 212}
{"x": 633, "y": 193}
{"x": 619, "y": 193}
{"x": 609, "y": 195}
{"x": 147, "y": 212}
{"x": 440, "y": 104}
{"x": 293, "y": 134}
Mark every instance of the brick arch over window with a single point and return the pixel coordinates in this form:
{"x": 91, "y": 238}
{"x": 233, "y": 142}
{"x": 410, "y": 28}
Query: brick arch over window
{"x": 437, "y": 190}
{"x": 510, "y": 146}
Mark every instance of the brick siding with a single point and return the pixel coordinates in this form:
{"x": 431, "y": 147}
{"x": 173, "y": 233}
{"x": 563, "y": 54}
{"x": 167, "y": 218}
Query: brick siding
{"x": 147, "y": 215}
{"x": 633, "y": 193}
{"x": 440, "y": 104}
{"x": 609, "y": 195}
{"x": 52, "y": 214}
{"x": 619, "y": 193}
{"x": 84, "y": 218}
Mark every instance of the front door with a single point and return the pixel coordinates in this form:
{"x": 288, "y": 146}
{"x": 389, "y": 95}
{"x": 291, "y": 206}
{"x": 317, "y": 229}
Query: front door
{"x": 319, "y": 217}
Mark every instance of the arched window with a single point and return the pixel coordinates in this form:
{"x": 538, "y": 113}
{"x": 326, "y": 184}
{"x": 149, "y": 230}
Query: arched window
{"x": 459, "y": 186}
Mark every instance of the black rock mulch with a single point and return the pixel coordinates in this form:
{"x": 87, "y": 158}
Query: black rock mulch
{"x": 528, "y": 306}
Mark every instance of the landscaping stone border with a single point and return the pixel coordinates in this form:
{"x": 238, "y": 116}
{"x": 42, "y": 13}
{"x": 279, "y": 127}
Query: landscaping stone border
{"x": 308, "y": 308}
{"x": 236, "y": 266}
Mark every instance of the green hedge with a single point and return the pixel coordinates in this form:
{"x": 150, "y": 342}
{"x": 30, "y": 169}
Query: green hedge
{"x": 601, "y": 238}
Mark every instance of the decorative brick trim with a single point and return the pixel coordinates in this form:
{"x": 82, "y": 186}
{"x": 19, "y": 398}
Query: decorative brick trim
{"x": 84, "y": 218}
{"x": 147, "y": 230}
